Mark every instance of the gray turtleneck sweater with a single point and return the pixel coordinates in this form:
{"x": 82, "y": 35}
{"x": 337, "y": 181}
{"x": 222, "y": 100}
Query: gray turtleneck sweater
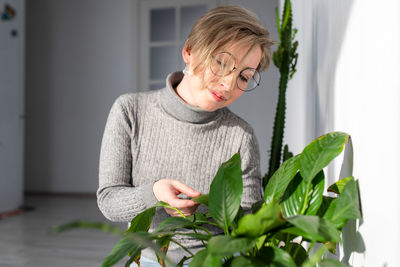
{"x": 155, "y": 135}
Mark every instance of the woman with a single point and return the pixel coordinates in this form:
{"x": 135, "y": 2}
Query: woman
{"x": 167, "y": 145}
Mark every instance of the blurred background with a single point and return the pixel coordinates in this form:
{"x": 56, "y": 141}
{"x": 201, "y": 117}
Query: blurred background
{"x": 63, "y": 63}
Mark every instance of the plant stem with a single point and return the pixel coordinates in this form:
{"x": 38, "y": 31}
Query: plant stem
{"x": 287, "y": 243}
{"x": 226, "y": 230}
{"x": 164, "y": 204}
{"x": 183, "y": 247}
{"x": 202, "y": 241}
{"x": 205, "y": 230}
{"x": 211, "y": 223}
{"x": 297, "y": 249}
{"x": 310, "y": 247}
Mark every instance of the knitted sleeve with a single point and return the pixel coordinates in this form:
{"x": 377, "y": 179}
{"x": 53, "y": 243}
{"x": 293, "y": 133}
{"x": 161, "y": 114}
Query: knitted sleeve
{"x": 117, "y": 199}
{"x": 252, "y": 181}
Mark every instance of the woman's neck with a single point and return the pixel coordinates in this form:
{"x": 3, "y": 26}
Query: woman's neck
{"x": 176, "y": 105}
{"x": 182, "y": 90}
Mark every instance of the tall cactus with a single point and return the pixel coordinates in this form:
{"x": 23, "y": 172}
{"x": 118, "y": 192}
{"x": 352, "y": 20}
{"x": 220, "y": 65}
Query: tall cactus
{"x": 285, "y": 59}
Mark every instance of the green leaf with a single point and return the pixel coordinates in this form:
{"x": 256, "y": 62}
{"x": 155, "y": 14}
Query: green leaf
{"x": 120, "y": 250}
{"x": 105, "y": 227}
{"x": 173, "y": 223}
{"x": 315, "y": 194}
{"x": 318, "y": 229}
{"x": 331, "y": 263}
{"x": 226, "y": 192}
{"x": 146, "y": 240}
{"x": 302, "y": 197}
{"x": 256, "y": 206}
{"x": 203, "y": 199}
{"x": 280, "y": 180}
{"x": 239, "y": 215}
{"x": 320, "y": 152}
{"x": 224, "y": 246}
{"x": 345, "y": 207}
{"x": 315, "y": 258}
{"x": 134, "y": 257}
{"x": 198, "y": 259}
{"x": 339, "y": 185}
{"x": 297, "y": 251}
{"x": 331, "y": 247}
{"x": 142, "y": 221}
{"x": 255, "y": 225}
{"x": 359, "y": 198}
{"x": 197, "y": 236}
{"x": 276, "y": 257}
{"x": 242, "y": 261}
{"x": 204, "y": 259}
{"x": 295, "y": 232}
{"x": 294, "y": 197}
{"x": 169, "y": 226}
{"x": 326, "y": 202}
{"x": 260, "y": 241}
{"x": 198, "y": 218}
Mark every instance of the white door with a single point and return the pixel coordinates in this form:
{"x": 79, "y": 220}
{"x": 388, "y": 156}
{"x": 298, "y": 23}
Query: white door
{"x": 11, "y": 103}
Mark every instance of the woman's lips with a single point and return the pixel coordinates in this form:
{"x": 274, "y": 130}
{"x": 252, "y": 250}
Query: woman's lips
{"x": 216, "y": 96}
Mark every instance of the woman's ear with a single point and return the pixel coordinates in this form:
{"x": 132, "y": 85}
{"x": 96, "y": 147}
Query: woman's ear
{"x": 186, "y": 55}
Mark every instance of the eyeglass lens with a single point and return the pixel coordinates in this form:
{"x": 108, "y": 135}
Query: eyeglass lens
{"x": 223, "y": 64}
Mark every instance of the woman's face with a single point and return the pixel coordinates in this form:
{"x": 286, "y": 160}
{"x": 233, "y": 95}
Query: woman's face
{"x": 210, "y": 92}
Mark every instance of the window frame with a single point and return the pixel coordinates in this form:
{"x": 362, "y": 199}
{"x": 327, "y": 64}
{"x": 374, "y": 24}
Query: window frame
{"x": 145, "y": 44}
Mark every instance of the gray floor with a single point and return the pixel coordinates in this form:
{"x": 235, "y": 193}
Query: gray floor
{"x": 25, "y": 241}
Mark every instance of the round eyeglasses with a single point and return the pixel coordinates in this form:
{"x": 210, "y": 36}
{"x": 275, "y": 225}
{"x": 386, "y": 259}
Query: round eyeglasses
{"x": 223, "y": 64}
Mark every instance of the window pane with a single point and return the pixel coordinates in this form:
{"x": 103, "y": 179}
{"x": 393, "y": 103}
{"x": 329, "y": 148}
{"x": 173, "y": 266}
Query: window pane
{"x": 189, "y": 15}
{"x": 162, "y": 25}
{"x": 163, "y": 60}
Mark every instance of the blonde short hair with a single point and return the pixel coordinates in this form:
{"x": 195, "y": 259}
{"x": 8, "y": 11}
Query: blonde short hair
{"x": 225, "y": 24}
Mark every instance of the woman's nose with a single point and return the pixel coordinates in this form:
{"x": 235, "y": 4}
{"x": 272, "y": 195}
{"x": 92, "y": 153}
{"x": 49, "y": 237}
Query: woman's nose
{"x": 229, "y": 81}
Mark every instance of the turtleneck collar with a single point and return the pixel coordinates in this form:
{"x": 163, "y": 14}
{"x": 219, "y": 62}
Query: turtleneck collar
{"x": 176, "y": 107}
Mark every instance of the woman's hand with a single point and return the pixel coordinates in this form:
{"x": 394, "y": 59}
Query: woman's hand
{"x": 168, "y": 191}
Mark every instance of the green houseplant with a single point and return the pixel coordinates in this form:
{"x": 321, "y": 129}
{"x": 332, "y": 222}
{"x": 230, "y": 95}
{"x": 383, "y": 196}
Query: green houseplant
{"x": 294, "y": 212}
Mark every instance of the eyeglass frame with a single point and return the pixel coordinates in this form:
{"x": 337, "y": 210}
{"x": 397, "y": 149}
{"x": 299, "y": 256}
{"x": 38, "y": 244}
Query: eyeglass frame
{"x": 235, "y": 68}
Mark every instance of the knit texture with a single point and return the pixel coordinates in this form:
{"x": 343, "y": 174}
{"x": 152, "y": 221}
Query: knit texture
{"x": 155, "y": 135}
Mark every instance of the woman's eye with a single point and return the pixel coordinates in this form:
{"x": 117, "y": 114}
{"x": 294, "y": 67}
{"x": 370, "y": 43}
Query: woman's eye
{"x": 222, "y": 63}
{"x": 243, "y": 78}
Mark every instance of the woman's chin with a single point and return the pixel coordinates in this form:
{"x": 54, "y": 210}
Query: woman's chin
{"x": 209, "y": 108}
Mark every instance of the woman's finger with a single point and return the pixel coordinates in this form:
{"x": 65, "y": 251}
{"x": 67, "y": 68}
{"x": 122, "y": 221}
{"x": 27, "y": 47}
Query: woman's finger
{"x": 181, "y": 203}
{"x": 185, "y": 189}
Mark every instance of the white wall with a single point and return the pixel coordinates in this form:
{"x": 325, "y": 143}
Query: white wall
{"x": 367, "y": 105}
{"x": 80, "y": 56}
{"x": 11, "y": 108}
{"x": 348, "y": 81}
